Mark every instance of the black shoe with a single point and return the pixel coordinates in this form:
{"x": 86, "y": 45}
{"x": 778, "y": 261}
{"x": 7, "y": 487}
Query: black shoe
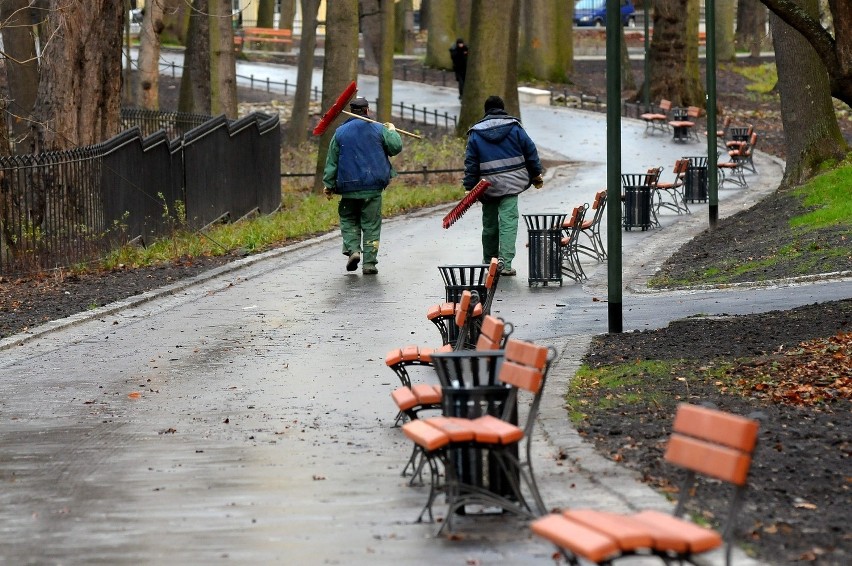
{"x": 353, "y": 261}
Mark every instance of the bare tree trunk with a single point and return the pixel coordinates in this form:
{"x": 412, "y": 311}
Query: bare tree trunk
{"x": 442, "y": 34}
{"x": 811, "y": 131}
{"x": 195, "y": 80}
{"x": 175, "y": 21}
{"x": 673, "y": 57}
{"x": 288, "y": 15}
{"x": 628, "y": 81}
{"x": 340, "y": 66}
{"x": 297, "y": 129}
{"x": 546, "y": 35}
{"x": 385, "y": 103}
{"x": 404, "y": 39}
{"x": 21, "y": 73}
{"x": 79, "y": 92}
{"x": 371, "y": 31}
{"x": 725, "y": 48}
{"x": 492, "y": 57}
{"x": 148, "y": 95}
{"x": 751, "y": 25}
{"x": 223, "y": 62}
{"x": 265, "y": 13}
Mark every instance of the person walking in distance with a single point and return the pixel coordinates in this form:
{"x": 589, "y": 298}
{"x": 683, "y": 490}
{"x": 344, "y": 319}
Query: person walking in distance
{"x": 358, "y": 169}
{"x": 500, "y": 151}
{"x": 458, "y": 53}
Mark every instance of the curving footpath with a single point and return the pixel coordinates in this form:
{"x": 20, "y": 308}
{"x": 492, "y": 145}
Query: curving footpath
{"x": 245, "y": 416}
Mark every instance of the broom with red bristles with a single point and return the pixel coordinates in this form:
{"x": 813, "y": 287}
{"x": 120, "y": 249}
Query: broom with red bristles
{"x": 465, "y": 203}
{"x": 338, "y": 108}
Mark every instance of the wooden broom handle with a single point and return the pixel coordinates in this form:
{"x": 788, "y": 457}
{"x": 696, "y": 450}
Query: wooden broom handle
{"x": 377, "y": 122}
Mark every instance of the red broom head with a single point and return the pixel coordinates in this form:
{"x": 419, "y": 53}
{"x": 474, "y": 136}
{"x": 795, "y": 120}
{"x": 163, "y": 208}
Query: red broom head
{"x": 465, "y": 203}
{"x": 335, "y": 110}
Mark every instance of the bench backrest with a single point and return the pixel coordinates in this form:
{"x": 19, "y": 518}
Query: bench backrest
{"x": 525, "y": 367}
{"x": 712, "y": 443}
{"x": 665, "y": 105}
{"x": 693, "y": 112}
{"x": 492, "y": 333}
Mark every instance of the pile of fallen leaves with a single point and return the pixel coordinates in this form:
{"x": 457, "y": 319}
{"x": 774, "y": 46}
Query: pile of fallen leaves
{"x": 817, "y": 372}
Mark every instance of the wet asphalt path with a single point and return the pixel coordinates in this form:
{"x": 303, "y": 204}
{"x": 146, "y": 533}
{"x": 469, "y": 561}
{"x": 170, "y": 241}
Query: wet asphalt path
{"x": 247, "y": 418}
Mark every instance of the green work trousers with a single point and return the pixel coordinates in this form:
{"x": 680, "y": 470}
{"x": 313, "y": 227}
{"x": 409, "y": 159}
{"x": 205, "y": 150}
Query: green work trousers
{"x": 361, "y": 226}
{"x": 500, "y": 229}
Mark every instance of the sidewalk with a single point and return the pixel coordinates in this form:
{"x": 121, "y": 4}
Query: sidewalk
{"x": 262, "y": 429}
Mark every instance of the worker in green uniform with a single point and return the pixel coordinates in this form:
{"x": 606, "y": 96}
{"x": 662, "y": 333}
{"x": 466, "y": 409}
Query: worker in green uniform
{"x": 358, "y": 169}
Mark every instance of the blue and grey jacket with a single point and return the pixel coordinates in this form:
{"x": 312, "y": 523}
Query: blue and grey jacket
{"x": 500, "y": 151}
{"x": 358, "y": 157}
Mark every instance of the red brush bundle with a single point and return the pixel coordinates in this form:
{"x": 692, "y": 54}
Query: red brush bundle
{"x": 336, "y": 109}
{"x": 466, "y": 203}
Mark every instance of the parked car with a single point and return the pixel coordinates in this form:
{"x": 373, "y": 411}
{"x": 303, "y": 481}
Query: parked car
{"x": 593, "y": 13}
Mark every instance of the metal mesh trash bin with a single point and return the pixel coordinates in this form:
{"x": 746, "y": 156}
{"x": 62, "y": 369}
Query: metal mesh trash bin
{"x": 695, "y": 180}
{"x": 460, "y": 278}
{"x": 544, "y": 235}
{"x": 636, "y": 198}
{"x": 470, "y": 389}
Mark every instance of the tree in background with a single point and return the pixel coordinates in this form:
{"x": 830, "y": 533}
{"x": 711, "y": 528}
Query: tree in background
{"x": 297, "y": 128}
{"x": 811, "y": 132}
{"x": 725, "y": 48}
{"x": 79, "y": 92}
{"x": 371, "y": 29}
{"x": 673, "y": 57}
{"x": 209, "y": 81}
{"x": 265, "y": 13}
{"x": 443, "y": 32}
{"x": 491, "y": 65}
{"x": 148, "y": 82}
{"x": 340, "y": 66}
{"x": 288, "y": 14}
{"x": 223, "y": 61}
{"x": 21, "y": 72}
{"x": 546, "y": 49}
{"x": 404, "y": 23}
{"x": 751, "y": 26}
{"x": 835, "y": 51}
{"x": 385, "y": 102}
{"x": 195, "y": 81}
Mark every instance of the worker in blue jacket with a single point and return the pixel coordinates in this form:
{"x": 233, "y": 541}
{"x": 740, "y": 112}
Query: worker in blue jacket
{"x": 500, "y": 151}
{"x": 357, "y": 168}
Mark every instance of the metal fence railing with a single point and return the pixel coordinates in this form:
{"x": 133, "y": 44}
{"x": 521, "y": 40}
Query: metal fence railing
{"x": 62, "y": 208}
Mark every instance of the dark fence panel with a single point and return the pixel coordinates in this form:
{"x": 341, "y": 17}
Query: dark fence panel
{"x": 140, "y": 192}
{"x": 61, "y": 208}
{"x": 222, "y": 173}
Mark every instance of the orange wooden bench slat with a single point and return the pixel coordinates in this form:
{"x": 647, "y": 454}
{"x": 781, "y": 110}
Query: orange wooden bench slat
{"x": 426, "y": 394}
{"x": 727, "y": 429}
{"x": 678, "y": 535}
{"x": 577, "y": 538}
{"x": 491, "y": 430}
{"x": 428, "y": 437}
{"x": 716, "y": 461}
{"x": 628, "y": 533}
{"x": 526, "y": 353}
{"x": 404, "y": 398}
{"x": 455, "y": 428}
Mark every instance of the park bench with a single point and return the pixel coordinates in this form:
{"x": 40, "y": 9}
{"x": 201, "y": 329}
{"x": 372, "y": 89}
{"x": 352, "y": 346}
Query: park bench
{"x": 245, "y": 38}
{"x": 485, "y": 429}
{"x": 441, "y": 314}
{"x": 411, "y": 400}
{"x": 570, "y": 243}
{"x": 669, "y": 194}
{"x": 591, "y": 229}
{"x": 658, "y": 120}
{"x": 704, "y": 441}
{"x": 683, "y": 124}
